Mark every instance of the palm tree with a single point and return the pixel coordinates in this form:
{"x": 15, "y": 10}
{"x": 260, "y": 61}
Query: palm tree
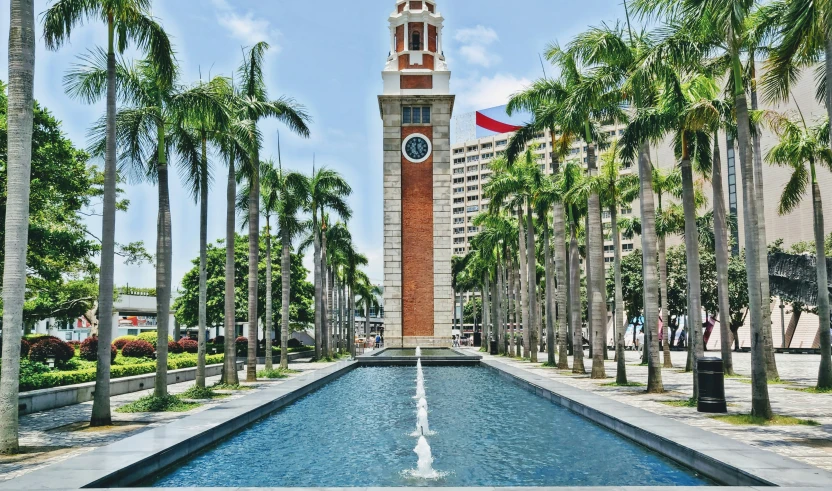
{"x": 147, "y": 129}
{"x": 802, "y": 148}
{"x": 352, "y": 279}
{"x": 19, "y": 124}
{"x": 128, "y": 22}
{"x": 513, "y": 186}
{"x": 191, "y": 135}
{"x": 722, "y": 24}
{"x": 569, "y": 181}
{"x": 367, "y": 298}
{"x": 327, "y": 190}
{"x": 617, "y": 190}
{"x": 258, "y": 106}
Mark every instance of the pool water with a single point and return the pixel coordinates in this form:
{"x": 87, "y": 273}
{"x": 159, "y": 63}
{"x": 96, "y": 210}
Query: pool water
{"x": 355, "y": 431}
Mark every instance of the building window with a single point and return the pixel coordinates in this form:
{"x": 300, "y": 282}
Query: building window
{"x": 459, "y": 200}
{"x": 627, "y": 247}
{"x": 416, "y": 42}
{"x": 458, "y": 190}
{"x": 488, "y": 155}
{"x": 473, "y": 230}
{"x": 459, "y": 240}
{"x": 626, "y": 210}
{"x": 416, "y": 114}
{"x": 473, "y": 158}
{"x": 486, "y": 146}
{"x": 458, "y": 221}
{"x": 459, "y": 230}
{"x": 459, "y": 180}
{"x": 473, "y": 198}
{"x": 459, "y": 171}
{"x": 472, "y": 149}
{"x": 502, "y": 143}
{"x": 459, "y": 211}
{"x": 458, "y": 151}
{"x": 473, "y": 188}
{"x": 609, "y": 259}
{"x": 473, "y": 209}
{"x": 460, "y": 160}
{"x": 608, "y": 249}
{"x": 473, "y": 178}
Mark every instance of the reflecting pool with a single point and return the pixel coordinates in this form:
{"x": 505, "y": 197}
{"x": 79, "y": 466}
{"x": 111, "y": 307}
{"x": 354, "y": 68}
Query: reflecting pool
{"x": 485, "y": 431}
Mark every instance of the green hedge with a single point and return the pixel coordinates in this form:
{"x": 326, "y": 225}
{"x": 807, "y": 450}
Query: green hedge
{"x": 35, "y": 381}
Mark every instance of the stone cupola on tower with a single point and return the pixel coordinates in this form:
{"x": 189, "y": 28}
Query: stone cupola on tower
{"x": 416, "y": 64}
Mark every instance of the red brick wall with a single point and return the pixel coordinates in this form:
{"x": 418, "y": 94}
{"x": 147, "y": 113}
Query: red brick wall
{"x": 416, "y": 5}
{"x": 401, "y": 8}
{"x": 431, "y": 38}
{"x": 417, "y": 241}
{"x": 399, "y": 38}
{"x": 416, "y": 81}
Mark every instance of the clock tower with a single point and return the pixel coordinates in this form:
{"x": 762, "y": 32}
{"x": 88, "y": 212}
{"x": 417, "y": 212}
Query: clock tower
{"x": 416, "y": 109}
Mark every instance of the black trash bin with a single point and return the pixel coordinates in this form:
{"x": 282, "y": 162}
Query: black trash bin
{"x": 477, "y": 339}
{"x": 711, "y": 386}
{"x": 493, "y": 347}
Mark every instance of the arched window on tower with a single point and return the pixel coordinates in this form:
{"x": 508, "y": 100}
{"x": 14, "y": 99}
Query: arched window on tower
{"x": 416, "y": 42}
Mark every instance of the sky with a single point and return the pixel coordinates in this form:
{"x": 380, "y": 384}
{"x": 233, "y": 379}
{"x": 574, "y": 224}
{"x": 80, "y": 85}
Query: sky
{"x": 328, "y": 56}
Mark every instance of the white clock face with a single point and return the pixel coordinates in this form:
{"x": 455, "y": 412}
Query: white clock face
{"x": 416, "y": 148}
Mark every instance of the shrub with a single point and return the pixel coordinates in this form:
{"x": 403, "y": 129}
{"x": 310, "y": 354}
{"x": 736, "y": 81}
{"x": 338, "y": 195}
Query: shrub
{"x": 138, "y": 349}
{"x": 174, "y": 347}
{"x": 24, "y": 347}
{"x": 294, "y": 343}
{"x": 89, "y": 350}
{"x": 74, "y": 344}
{"x": 150, "y": 337}
{"x": 189, "y": 345}
{"x": 121, "y": 341}
{"x": 242, "y": 345}
{"x": 51, "y": 347}
{"x": 219, "y": 340}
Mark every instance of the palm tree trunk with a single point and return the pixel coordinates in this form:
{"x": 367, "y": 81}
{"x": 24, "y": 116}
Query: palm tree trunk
{"x": 495, "y": 314}
{"x": 229, "y": 369}
{"x": 498, "y": 304}
{"x": 664, "y": 311}
{"x": 825, "y": 369}
{"x": 324, "y": 295}
{"x": 329, "y": 308}
{"x": 524, "y": 284}
{"x": 721, "y": 245}
{"x": 651, "y": 290}
{"x": 693, "y": 275}
{"x": 765, "y": 289}
{"x": 203, "y": 265}
{"x": 286, "y": 284}
{"x": 559, "y": 233}
{"x": 253, "y": 264}
{"x": 760, "y": 404}
{"x": 531, "y": 263}
{"x": 575, "y": 302}
{"x": 619, "y": 320}
{"x": 485, "y": 313}
{"x": 550, "y": 293}
{"x": 461, "y": 314}
{"x": 164, "y": 275}
{"x": 316, "y": 238}
{"x": 518, "y": 310}
{"x": 20, "y": 126}
{"x": 101, "y": 415}
{"x": 267, "y": 333}
{"x": 596, "y": 288}
{"x": 351, "y": 319}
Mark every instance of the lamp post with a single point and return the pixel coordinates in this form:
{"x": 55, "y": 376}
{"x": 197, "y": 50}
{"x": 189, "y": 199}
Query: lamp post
{"x": 611, "y": 308}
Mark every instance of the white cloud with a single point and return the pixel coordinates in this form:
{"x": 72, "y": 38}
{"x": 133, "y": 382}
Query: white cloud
{"x": 247, "y": 27}
{"x": 478, "y": 93}
{"x": 474, "y": 45}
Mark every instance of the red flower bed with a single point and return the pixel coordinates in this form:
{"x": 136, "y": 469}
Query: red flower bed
{"x": 189, "y": 345}
{"x": 51, "y": 347}
{"x": 89, "y": 350}
{"x": 174, "y": 347}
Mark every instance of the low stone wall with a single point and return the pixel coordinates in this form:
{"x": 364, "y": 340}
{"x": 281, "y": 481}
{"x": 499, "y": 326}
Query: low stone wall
{"x": 292, "y": 357}
{"x": 45, "y": 399}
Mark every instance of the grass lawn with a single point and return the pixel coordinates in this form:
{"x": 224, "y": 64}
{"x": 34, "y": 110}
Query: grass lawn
{"x": 152, "y": 404}
{"x": 628, "y": 384}
{"x": 778, "y": 420}
{"x": 812, "y": 390}
{"x": 680, "y": 403}
{"x": 219, "y": 386}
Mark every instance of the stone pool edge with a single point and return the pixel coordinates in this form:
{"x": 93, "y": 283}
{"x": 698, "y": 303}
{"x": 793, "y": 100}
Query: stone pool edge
{"x": 139, "y": 456}
{"x": 722, "y": 459}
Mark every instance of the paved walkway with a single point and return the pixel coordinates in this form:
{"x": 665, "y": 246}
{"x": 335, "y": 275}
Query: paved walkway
{"x": 809, "y": 444}
{"x": 52, "y": 436}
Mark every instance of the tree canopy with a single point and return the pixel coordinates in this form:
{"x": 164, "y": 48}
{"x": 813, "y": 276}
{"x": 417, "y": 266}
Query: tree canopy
{"x": 301, "y": 292}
